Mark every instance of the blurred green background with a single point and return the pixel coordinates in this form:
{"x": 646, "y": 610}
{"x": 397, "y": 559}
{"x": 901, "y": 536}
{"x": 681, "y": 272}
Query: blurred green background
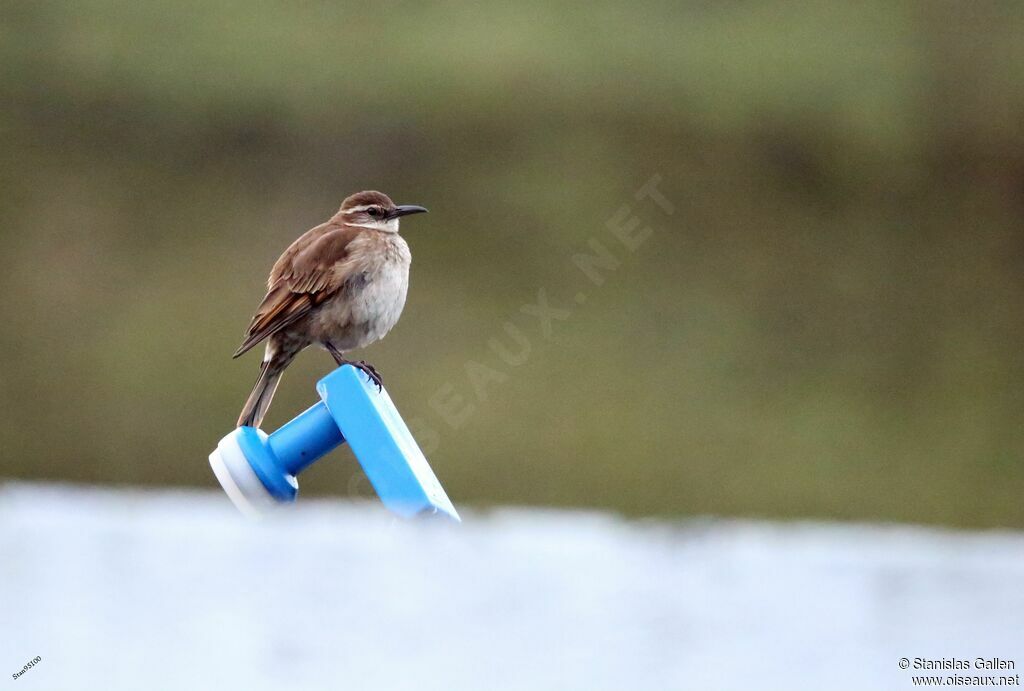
{"x": 829, "y": 324}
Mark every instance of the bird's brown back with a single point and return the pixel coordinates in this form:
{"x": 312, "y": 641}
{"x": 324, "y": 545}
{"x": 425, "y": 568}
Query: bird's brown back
{"x": 305, "y": 275}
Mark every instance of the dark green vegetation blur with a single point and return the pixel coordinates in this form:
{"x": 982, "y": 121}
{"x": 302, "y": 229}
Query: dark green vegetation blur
{"x": 829, "y": 324}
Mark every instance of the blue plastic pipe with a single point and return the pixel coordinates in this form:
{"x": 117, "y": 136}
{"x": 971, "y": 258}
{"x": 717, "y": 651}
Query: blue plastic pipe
{"x": 305, "y": 439}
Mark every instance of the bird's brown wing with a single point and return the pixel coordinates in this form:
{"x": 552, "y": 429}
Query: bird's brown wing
{"x": 306, "y": 274}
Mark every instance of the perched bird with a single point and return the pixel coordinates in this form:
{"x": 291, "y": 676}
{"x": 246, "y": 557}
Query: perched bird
{"x": 342, "y": 286}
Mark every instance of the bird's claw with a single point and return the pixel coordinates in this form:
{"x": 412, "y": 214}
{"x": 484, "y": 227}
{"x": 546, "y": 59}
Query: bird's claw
{"x": 370, "y": 372}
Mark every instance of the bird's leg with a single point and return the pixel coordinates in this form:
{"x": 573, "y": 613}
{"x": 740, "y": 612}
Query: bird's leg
{"x": 362, "y": 365}
{"x": 339, "y": 357}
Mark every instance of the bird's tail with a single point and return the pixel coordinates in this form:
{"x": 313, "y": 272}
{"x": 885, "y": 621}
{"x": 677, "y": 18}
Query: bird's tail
{"x": 259, "y": 400}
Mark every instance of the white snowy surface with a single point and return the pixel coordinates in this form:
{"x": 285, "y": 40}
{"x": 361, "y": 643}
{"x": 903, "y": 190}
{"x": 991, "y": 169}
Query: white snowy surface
{"x": 141, "y": 590}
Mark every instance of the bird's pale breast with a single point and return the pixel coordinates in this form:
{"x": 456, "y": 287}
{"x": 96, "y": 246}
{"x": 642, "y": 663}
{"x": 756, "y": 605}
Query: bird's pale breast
{"x": 373, "y": 294}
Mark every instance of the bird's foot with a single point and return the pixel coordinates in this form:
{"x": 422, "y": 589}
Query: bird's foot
{"x": 370, "y": 371}
{"x": 362, "y": 365}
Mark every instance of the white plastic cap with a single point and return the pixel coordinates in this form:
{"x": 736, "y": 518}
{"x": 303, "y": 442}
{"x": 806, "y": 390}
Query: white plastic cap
{"x": 238, "y": 479}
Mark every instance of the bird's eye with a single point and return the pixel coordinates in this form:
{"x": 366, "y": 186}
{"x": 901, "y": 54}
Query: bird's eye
{"x": 374, "y": 211}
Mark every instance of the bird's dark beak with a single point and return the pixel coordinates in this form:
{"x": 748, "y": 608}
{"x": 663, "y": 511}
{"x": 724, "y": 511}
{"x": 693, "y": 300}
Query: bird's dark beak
{"x": 405, "y": 210}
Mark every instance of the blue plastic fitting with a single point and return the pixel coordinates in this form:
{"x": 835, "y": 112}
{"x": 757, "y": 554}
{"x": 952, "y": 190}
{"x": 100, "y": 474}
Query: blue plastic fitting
{"x": 258, "y": 471}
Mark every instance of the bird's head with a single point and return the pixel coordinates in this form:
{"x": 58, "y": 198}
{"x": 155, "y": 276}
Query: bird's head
{"x": 375, "y": 210}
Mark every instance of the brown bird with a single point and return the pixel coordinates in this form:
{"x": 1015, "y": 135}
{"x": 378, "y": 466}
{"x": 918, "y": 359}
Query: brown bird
{"x": 342, "y": 285}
